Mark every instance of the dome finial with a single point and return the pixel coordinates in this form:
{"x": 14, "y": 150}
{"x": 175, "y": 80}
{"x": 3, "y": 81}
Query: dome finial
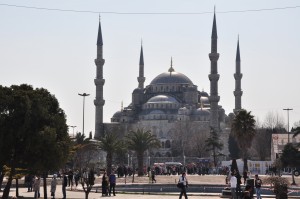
{"x": 171, "y": 69}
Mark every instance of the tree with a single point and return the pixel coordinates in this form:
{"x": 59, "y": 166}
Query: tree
{"x": 296, "y": 131}
{"x": 213, "y": 144}
{"x": 140, "y": 141}
{"x": 110, "y": 143}
{"x": 262, "y": 143}
{"x": 243, "y": 129}
{"x": 83, "y": 152}
{"x": 33, "y": 131}
{"x": 290, "y": 157}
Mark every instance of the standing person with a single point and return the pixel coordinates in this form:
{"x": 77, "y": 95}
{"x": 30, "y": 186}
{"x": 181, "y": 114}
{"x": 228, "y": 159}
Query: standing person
{"x": 53, "y": 186}
{"x": 104, "y": 185}
{"x": 70, "y": 179}
{"x": 76, "y": 178}
{"x": 153, "y": 176}
{"x": 112, "y": 183}
{"x": 233, "y": 183}
{"x": 257, "y": 184}
{"x": 238, "y": 184}
{"x": 64, "y": 185}
{"x": 36, "y": 187}
{"x": 184, "y": 183}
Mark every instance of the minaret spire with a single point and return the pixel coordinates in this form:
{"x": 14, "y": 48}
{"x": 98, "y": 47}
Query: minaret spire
{"x": 214, "y": 98}
{"x": 171, "y": 69}
{"x": 99, "y": 82}
{"x": 141, "y": 78}
{"x": 238, "y": 76}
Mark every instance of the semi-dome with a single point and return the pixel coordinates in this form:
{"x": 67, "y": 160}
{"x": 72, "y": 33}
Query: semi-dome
{"x": 202, "y": 112}
{"x": 162, "y": 99}
{"x": 171, "y": 78}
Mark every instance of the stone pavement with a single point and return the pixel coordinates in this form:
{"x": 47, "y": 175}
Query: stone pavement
{"x": 81, "y": 195}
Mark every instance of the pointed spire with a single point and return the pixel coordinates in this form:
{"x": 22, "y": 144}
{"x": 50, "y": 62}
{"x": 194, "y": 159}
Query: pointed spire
{"x": 171, "y": 69}
{"x": 141, "y": 55}
{"x": 238, "y": 58}
{"x": 214, "y": 28}
{"x": 122, "y": 105}
{"x": 99, "y": 40}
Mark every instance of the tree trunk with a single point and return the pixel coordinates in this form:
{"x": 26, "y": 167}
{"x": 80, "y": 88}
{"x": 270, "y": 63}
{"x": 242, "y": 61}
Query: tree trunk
{"x": 108, "y": 163}
{"x": 1, "y": 177}
{"x": 17, "y": 187}
{"x": 87, "y": 194}
{"x": 8, "y": 185}
{"x": 45, "y": 184}
{"x": 293, "y": 178}
{"x": 140, "y": 158}
{"x": 245, "y": 164}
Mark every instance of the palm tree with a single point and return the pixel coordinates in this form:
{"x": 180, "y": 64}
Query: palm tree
{"x": 140, "y": 141}
{"x": 110, "y": 144}
{"x": 243, "y": 129}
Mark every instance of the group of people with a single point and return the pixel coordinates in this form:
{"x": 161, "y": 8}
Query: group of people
{"x": 235, "y": 186}
{"x": 108, "y": 184}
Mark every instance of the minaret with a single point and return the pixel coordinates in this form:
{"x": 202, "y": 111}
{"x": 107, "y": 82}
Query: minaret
{"x": 141, "y": 78}
{"x": 99, "y": 82}
{"x": 238, "y": 76}
{"x": 214, "y": 98}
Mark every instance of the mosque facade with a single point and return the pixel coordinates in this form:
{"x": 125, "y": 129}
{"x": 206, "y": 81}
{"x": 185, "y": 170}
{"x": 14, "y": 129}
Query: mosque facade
{"x": 171, "y": 105}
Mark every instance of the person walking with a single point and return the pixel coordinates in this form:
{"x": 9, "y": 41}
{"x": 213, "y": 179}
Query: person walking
{"x": 64, "y": 185}
{"x": 233, "y": 183}
{"x": 53, "y": 186}
{"x": 183, "y": 185}
{"x": 36, "y": 187}
{"x": 112, "y": 183}
{"x": 257, "y": 184}
{"x": 153, "y": 176}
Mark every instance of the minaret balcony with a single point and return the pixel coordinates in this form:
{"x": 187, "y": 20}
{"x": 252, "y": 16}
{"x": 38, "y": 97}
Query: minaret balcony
{"x": 213, "y": 77}
{"x": 141, "y": 79}
{"x": 99, "y": 82}
{"x": 99, "y": 62}
{"x": 214, "y": 56}
{"x": 238, "y": 76}
{"x": 238, "y": 93}
{"x": 99, "y": 102}
{"x": 214, "y": 98}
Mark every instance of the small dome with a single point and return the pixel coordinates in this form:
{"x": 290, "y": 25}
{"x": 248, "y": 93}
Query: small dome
{"x": 117, "y": 114}
{"x": 171, "y": 78}
{"x": 162, "y": 99}
{"x": 204, "y": 100}
{"x": 202, "y": 112}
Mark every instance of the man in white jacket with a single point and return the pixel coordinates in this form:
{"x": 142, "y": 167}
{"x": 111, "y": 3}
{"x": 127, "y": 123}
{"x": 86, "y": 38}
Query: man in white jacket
{"x": 233, "y": 183}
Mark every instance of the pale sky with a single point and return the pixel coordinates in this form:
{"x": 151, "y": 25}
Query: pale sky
{"x": 56, "y": 50}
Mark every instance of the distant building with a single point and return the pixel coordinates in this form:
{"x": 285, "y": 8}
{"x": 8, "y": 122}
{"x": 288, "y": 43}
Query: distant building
{"x": 169, "y": 102}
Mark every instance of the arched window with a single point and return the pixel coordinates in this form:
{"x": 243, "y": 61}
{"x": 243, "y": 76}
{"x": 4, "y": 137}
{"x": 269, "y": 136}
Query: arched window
{"x": 168, "y": 144}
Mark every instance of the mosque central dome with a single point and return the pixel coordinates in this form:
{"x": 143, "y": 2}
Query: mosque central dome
{"x": 171, "y": 78}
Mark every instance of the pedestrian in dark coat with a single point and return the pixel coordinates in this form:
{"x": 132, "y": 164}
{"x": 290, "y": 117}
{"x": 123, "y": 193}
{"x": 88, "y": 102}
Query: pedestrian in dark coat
{"x": 112, "y": 183}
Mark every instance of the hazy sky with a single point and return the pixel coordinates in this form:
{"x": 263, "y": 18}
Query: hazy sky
{"x": 56, "y": 50}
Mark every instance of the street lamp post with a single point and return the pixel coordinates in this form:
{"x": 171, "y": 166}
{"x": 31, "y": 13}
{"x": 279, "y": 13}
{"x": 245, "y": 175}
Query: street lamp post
{"x": 83, "y": 95}
{"x": 73, "y": 129}
{"x": 288, "y": 124}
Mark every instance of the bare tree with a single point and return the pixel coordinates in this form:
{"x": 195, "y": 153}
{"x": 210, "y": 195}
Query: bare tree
{"x": 273, "y": 120}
